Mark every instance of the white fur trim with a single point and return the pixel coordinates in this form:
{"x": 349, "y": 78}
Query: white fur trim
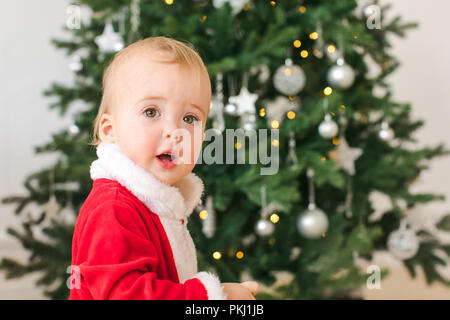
{"x": 212, "y": 285}
{"x": 172, "y": 204}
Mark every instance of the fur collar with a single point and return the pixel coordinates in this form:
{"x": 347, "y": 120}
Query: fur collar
{"x": 174, "y": 202}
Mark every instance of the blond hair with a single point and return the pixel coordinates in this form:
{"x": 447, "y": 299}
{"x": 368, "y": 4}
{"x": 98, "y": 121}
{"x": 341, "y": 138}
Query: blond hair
{"x": 177, "y": 52}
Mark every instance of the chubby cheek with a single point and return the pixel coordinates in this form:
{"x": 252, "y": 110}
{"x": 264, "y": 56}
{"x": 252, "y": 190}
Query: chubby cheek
{"x": 138, "y": 144}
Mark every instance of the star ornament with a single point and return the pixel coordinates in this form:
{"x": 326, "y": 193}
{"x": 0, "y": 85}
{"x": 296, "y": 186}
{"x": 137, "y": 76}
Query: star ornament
{"x": 346, "y": 156}
{"x": 109, "y": 40}
{"x": 245, "y": 101}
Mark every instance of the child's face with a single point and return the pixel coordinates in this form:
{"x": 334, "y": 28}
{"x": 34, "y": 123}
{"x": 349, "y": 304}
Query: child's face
{"x": 144, "y": 126}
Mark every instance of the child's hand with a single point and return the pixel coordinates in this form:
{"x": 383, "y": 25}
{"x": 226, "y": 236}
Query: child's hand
{"x": 241, "y": 291}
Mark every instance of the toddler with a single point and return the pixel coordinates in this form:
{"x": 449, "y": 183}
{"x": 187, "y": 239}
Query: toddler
{"x": 131, "y": 239}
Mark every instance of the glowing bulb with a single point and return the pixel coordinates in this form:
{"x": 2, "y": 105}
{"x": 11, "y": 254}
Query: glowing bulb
{"x": 313, "y": 35}
{"x": 275, "y": 124}
{"x": 327, "y": 91}
{"x": 217, "y": 255}
{"x": 297, "y": 43}
{"x": 203, "y": 214}
{"x": 304, "y": 53}
{"x": 238, "y": 145}
{"x": 262, "y": 112}
{"x": 331, "y": 48}
{"x": 274, "y": 218}
{"x": 275, "y": 142}
{"x": 239, "y": 254}
{"x": 169, "y": 2}
{"x": 291, "y": 114}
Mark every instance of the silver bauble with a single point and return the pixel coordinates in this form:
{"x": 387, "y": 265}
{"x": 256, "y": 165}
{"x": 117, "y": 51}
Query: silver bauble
{"x": 264, "y": 228}
{"x": 312, "y": 223}
{"x": 386, "y": 133}
{"x": 403, "y": 243}
{"x": 341, "y": 76}
{"x": 289, "y": 79}
{"x": 328, "y": 128}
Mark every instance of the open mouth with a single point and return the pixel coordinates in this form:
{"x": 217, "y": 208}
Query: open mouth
{"x": 166, "y": 157}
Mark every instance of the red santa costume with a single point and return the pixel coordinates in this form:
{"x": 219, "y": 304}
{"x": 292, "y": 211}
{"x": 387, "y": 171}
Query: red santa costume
{"x": 131, "y": 239}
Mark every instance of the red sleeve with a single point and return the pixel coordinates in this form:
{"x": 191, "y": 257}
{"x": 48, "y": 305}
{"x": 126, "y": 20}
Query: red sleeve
{"x": 117, "y": 261}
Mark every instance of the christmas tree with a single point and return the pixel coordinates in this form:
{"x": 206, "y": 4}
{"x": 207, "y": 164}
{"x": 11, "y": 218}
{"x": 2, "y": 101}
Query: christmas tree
{"x": 304, "y": 70}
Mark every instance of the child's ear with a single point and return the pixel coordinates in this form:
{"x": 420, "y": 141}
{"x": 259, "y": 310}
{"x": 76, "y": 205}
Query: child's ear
{"x": 106, "y": 131}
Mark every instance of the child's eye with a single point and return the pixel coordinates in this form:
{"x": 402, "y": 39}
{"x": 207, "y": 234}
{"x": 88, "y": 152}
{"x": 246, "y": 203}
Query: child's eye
{"x": 151, "y": 112}
{"x": 190, "y": 119}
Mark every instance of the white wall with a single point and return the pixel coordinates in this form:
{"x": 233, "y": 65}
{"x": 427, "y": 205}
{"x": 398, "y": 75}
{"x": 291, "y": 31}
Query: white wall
{"x": 29, "y": 63}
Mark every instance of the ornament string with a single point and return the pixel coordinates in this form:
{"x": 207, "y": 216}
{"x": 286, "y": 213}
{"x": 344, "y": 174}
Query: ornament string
{"x": 263, "y": 201}
{"x": 311, "y": 194}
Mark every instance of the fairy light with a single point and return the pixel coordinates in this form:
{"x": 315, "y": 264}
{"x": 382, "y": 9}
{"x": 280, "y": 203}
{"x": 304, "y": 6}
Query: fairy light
{"x": 274, "y": 218}
{"x": 203, "y": 214}
{"x": 262, "y": 112}
{"x": 217, "y": 255}
{"x": 291, "y": 114}
{"x": 314, "y": 35}
{"x": 203, "y": 18}
{"x": 297, "y": 43}
{"x": 275, "y": 142}
{"x": 331, "y": 48}
{"x": 291, "y": 98}
{"x": 304, "y": 53}
{"x": 239, "y": 254}
{"x": 275, "y": 124}
{"x": 302, "y": 9}
{"x": 335, "y": 141}
{"x": 273, "y": 3}
{"x": 327, "y": 91}
{"x": 238, "y": 145}
{"x": 168, "y": 2}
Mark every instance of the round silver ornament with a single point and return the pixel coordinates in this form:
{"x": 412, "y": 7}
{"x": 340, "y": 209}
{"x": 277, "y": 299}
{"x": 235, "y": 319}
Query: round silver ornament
{"x": 289, "y": 79}
{"x": 312, "y": 223}
{"x": 386, "y": 133}
{"x": 403, "y": 243}
{"x": 264, "y": 228}
{"x": 341, "y": 75}
{"x": 328, "y": 128}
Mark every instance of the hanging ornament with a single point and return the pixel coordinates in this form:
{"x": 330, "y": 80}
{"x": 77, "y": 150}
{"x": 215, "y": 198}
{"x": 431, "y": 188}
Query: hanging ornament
{"x": 216, "y": 112}
{"x": 236, "y": 5}
{"x": 109, "y": 41}
{"x": 209, "y": 219}
{"x": 289, "y": 79}
{"x": 341, "y": 75}
{"x": 245, "y": 101}
{"x": 386, "y": 133}
{"x": 264, "y": 227}
{"x": 313, "y": 222}
{"x": 292, "y": 156}
{"x": 75, "y": 63}
{"x": 52, "y": 207}
{"x": 403, "y": 243}
{"x": 345, "y": 155}
{"x": 277, "y": 109}
{"x": 328, "y": 128}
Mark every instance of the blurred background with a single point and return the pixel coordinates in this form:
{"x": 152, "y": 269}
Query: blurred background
{"x": 29, "y": 63}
